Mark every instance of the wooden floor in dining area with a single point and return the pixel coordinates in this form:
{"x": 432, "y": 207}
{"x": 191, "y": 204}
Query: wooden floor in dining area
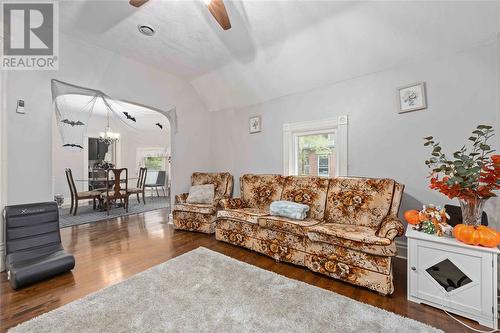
{"x": 110, "y": 251}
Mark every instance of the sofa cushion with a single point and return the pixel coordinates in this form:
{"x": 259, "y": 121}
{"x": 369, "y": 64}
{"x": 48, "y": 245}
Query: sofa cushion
{"x": 293, "y": 226}
{"x": 258, "y": 191}
{"x": 309, "y": 191}
{"x": 249, "y": 215}
{"x": 223, "y": 182}
{"x": 359, "y": 201}
{"x": 195, "y": 208}
{"x": 356, "y": 233}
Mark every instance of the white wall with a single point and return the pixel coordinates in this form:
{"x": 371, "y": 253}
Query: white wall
{"x": 462, "y": 92}
{"x": 3, "y": 162}
{"x": 29, "y": 137}
{"x": 337, "y": 41}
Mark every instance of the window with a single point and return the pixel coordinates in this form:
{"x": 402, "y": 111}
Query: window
{"x": 305, "y": 167}
{"x": 324, "y": 165}
{"x": 316, "y": 148}
{"x": 313, "y": 154}
{"x": 153, "y": 163}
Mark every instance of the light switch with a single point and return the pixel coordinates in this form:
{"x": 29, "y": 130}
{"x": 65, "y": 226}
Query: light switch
{"x": 20, "y": 107}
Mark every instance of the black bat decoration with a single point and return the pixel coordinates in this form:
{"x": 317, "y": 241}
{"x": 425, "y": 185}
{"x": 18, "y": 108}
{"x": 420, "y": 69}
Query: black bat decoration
{"x": 72, "y": 145}
{"x": 129, "y": 116}
{"x": 159, "y": 125}
{"x": 72, "y": 122}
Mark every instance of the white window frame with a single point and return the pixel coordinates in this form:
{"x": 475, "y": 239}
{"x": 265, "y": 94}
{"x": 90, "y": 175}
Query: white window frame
{"x": 291, "y": 132}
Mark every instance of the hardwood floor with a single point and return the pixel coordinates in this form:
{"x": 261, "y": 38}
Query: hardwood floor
{"x": 111, "y": 251}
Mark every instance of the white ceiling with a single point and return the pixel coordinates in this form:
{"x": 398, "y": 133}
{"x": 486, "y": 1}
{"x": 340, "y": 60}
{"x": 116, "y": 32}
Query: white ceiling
{"x": 275, "y": 48}
{"x": 188, "y": 41}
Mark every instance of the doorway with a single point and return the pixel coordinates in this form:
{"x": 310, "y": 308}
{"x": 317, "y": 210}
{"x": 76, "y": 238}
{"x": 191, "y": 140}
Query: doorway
{"x": 112, "y": 142}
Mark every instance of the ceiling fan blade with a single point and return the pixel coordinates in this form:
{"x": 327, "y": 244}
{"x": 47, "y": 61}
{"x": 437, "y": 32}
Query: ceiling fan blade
{"x": 218, "y": 10}
{"x": 137, "y": 3}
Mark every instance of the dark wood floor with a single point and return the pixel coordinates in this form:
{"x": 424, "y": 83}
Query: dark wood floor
{"x": 111, "y": 251}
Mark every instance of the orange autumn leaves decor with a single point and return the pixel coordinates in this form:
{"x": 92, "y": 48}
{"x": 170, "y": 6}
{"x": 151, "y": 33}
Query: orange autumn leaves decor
{"x": 471, "y": 174}
{"x": 480, "y": 235}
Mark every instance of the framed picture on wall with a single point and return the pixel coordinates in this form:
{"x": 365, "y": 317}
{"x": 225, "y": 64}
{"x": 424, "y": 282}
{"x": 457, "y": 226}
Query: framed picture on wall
{"x": 255, "y": 124}
{"x": 412, "y": 97}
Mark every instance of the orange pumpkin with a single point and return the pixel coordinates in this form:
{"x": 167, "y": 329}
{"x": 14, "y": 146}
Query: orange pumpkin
{"x": 480, "y": 235}
{"x": 411, "y": 216}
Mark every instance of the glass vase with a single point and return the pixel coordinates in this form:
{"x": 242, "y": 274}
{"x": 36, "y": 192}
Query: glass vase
{"x": 472, "y": 211}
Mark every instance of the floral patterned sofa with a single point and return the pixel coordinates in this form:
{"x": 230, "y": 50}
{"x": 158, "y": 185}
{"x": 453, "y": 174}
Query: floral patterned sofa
{"x": 199, "y": 217}
{"x": 348, "y": 234}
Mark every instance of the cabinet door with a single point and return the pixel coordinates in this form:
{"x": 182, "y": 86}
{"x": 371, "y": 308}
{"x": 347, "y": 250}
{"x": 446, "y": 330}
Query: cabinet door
{"x": 412, "y": 268}
{"x": 457, "y": 278}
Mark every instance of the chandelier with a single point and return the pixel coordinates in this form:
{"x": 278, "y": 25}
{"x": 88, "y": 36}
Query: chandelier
{"x": 107, "y": 136}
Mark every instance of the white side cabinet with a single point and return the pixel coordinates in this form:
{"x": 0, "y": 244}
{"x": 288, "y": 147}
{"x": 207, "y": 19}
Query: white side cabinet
{"x": 456, "y": 277}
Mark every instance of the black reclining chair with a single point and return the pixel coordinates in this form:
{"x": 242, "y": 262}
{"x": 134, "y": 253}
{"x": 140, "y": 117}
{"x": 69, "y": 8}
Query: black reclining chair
{"x": 33, "y": 241}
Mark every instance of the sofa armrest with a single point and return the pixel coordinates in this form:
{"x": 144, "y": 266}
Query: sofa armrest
{"x": 233, "y": 203}
{"x": 181, "y": 198}
{"x": 390, "y": 228}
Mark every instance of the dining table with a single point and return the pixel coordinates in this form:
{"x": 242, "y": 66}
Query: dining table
{"x": 101, "y": 180}
{"x": 110, "y": 182}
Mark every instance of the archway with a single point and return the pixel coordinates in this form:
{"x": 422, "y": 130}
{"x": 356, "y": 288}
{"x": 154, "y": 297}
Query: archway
{"x": 93, "y": 132}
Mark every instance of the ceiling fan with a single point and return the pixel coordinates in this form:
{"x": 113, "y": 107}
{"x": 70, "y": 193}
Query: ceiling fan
{"x": 216, "y": 8}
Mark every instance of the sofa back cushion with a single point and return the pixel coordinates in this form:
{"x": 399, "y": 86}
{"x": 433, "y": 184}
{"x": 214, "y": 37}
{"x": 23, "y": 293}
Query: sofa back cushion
{"x": 309, "y": 191}
{"x": 258, "y": 191}
{"x": 359, "y": 201}
{"x": 223, "y": 182}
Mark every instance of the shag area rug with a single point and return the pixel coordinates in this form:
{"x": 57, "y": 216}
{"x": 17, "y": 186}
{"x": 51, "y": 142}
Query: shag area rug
{"x": 204, "y": 291}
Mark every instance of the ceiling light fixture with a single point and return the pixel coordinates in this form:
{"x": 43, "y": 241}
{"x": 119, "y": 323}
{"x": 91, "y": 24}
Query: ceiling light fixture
{"x": 107, "y": 136}
{"x": 146, "y": 29}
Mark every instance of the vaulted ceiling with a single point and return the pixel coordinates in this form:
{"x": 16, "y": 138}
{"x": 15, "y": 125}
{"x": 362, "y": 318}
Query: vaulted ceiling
{"x": 188, "y": 41}
{"x": 275, "y": 48}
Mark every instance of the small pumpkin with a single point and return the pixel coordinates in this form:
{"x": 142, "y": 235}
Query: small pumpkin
{"x": 480, "y": 235}
{"x": 412, "y": 216}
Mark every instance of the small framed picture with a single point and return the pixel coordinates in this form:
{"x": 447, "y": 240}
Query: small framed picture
{"x": 255, "y": 124}
{"x": 412, "y": 97}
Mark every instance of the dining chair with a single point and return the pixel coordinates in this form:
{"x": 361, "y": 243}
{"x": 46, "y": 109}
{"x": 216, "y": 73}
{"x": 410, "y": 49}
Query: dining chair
{"x": 76, "y": 196}
{"x": 98, "y": 182}
{"x": 160, "y": 182}
{"x": 141, "y": 180}
{"x": 117, "y": 192}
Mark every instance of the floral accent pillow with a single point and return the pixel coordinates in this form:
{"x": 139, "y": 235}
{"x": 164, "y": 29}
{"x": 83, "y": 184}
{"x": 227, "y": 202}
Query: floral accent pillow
{"x": 201, "y": 194}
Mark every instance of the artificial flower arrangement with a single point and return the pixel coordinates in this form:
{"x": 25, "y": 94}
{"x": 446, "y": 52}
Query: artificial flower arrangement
{"x": 431, "y": 220}
{"x": 472, "y": 176}
{"x": 434, "y": 220}
{"x": 469, "y": 176}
